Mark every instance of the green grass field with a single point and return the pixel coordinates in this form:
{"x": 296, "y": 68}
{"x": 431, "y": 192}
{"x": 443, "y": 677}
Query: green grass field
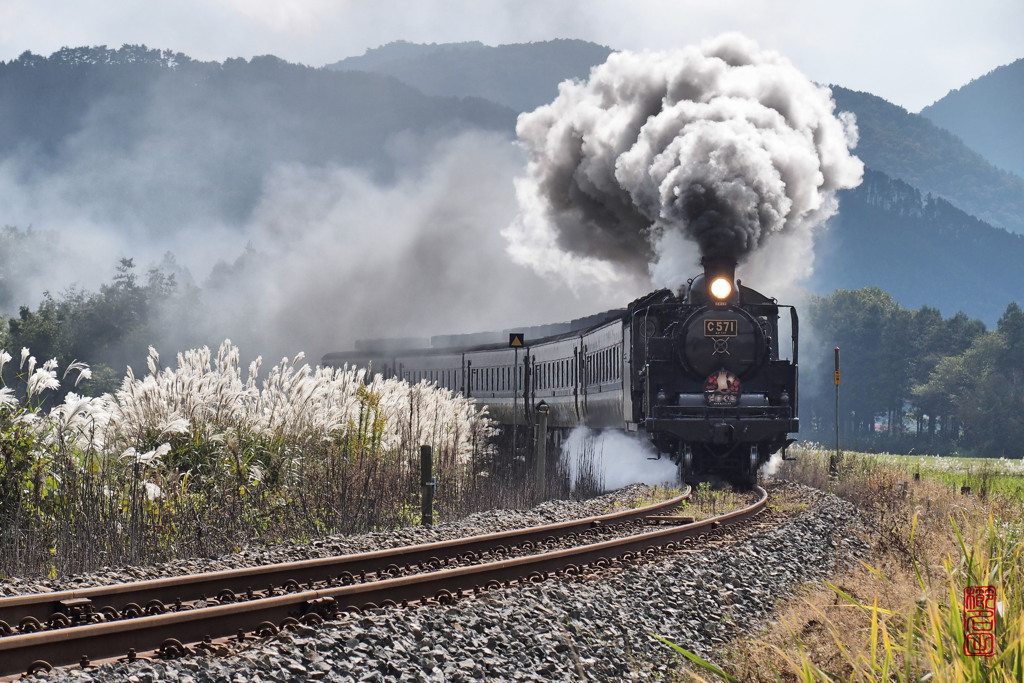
{"x": 983, "y": 475}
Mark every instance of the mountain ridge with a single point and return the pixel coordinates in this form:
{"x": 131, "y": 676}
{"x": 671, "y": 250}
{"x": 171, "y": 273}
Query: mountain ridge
{"x": 174, "y": 141}
{"x": 986, "y": 115}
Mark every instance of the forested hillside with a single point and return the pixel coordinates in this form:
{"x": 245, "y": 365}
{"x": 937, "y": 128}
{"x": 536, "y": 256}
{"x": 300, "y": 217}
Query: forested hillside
{"x": 919, "y": 248}
{"x": 911, "y": 148}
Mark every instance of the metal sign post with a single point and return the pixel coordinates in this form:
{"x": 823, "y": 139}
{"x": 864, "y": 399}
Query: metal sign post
{"x": 428, "y": 486}
{"x": 515, "y": 340}
{"x": 541, "y": 452}
{"x": 833, "y": 466}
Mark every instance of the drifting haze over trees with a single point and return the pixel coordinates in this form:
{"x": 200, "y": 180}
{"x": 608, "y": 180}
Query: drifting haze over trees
{"x": 203, "y": 134}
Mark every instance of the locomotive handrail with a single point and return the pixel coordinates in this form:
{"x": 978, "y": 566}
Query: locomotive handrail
{"x": 794, "y": 329}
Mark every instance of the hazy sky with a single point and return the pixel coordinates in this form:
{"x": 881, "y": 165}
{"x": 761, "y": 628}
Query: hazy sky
{"x": 911, "y": 52}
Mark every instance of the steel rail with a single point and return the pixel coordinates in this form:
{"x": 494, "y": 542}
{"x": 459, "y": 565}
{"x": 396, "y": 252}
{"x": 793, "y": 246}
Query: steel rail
{"x": 232, "y": 584}
{"x": 93, "y": 642}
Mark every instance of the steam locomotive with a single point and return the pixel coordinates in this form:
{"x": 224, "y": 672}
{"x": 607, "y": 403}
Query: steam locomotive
{"x": 698, "y": 373}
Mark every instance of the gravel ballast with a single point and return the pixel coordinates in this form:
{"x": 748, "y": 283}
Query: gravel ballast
{"x": 596, "y": 627}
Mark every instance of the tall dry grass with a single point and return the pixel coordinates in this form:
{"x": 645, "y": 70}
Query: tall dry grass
{"x": 900, "y": 615}
{"x": 202, "y": 459}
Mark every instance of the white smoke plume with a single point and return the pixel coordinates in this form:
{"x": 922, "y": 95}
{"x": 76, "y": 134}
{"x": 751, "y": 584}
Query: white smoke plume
{"x": 615, "y": 459}
{"x": 719, "y": 150}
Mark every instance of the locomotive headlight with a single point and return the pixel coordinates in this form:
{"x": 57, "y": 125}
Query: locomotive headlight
{"x": 721, "y": 288}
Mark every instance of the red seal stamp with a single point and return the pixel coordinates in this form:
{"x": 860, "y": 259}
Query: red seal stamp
{"x": 980, "y": 621}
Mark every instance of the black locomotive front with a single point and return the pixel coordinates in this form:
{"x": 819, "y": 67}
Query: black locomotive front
{"x": 708, "y": 385}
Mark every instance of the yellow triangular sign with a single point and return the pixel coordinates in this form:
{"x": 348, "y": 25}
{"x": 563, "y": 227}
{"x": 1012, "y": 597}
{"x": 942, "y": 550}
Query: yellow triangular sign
{"x": 515, "y": 340}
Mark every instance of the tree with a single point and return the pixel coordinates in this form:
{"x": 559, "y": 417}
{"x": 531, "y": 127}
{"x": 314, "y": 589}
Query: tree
{"x": 867, "y": 324}
{"x": 106, "y": 329}
{"x": 984, "y": 385}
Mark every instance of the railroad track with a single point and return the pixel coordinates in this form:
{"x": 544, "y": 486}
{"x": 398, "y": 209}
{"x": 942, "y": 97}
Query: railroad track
{"x": 164, "y": 617}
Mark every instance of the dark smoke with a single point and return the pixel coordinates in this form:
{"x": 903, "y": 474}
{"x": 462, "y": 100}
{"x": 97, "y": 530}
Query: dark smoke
{"x": 660, "y": 158}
